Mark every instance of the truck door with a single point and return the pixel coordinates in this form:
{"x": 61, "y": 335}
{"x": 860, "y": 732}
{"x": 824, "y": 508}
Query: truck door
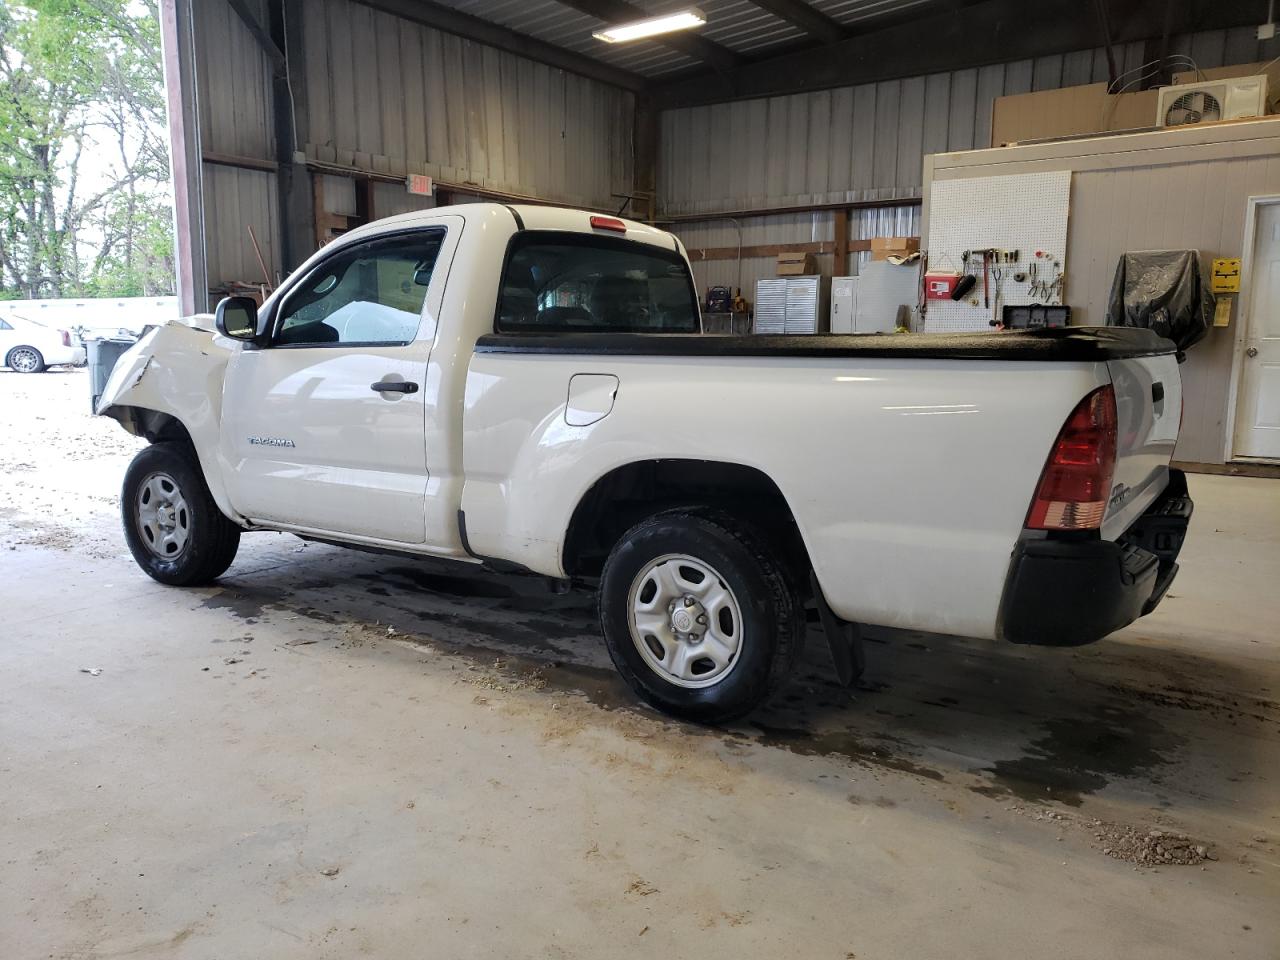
{"x": 324, "y": 427}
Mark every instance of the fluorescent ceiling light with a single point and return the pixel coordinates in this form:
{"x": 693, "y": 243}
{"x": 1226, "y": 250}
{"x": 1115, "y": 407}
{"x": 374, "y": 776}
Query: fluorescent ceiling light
{"x": 652, "y": 26}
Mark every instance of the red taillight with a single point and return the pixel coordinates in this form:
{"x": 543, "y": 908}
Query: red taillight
{"x": 608, "y": 223}
{"x": 1076, "y": 480}
{"x": 66, "y": 338}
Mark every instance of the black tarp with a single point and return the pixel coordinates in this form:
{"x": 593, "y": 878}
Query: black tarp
{"x": 1162, "y": 290}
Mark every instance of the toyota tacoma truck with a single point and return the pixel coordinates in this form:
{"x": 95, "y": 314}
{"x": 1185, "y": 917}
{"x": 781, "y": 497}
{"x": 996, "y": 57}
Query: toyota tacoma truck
{"x": 527, "y": 388}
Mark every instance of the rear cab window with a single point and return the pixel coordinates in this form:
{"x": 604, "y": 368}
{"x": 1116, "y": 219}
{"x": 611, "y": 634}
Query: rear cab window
{"x": 555, "y": 282}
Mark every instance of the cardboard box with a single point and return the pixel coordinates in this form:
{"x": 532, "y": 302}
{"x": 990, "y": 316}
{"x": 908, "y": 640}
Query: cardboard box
{"x": 1069, "y": 112}
{"x": 1086, "y": 109}
{"x": 795, "y": 263}
{"x": 882, "y": 248}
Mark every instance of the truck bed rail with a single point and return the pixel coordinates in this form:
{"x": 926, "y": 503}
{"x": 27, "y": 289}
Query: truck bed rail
{"x": 1085, "y": 344}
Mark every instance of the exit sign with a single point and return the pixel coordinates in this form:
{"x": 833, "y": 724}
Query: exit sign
{"x": 419, "y": 184}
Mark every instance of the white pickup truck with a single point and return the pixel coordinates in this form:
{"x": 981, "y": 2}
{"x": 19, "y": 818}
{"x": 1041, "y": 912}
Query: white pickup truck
{"x": 528, "y": 388}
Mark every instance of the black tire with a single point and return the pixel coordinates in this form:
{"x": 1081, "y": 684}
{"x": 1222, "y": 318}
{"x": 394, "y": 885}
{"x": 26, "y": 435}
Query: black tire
{"x": 211, "y": 540}
{"x": 25, "y": 359}
{"x": 772, "y": 614}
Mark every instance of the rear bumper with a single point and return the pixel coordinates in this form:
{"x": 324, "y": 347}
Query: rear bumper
{"x": 64, "y": 356}
{"x": 1067, "y": 593}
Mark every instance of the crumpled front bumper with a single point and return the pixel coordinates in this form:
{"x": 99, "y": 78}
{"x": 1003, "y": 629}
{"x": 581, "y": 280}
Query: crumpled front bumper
{"x": 1072, "y": 592}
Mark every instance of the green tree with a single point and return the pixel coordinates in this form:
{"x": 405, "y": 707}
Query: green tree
{"x": 84, "y": 179}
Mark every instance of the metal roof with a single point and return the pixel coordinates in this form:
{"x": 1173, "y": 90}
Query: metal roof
{"x": 740, "y": 26}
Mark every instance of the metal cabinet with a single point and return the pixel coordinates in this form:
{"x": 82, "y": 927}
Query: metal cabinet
{"x": 844, "y": 304}
{"x": 887, "y": 295}
{"x": 788, "y": 305}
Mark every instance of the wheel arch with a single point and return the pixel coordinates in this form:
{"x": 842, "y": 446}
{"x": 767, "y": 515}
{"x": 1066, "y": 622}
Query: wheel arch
{"x": 629, "y": 493}
{"x": 155, "y": 426}
{"x": 159, "y": 426}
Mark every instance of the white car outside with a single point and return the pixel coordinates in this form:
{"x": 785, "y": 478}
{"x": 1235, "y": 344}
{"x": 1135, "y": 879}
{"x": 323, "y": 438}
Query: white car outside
{"x": 29, "y": 347}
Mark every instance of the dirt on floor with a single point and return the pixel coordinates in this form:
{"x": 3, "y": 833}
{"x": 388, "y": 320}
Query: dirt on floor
{"x": 337, "y": 754}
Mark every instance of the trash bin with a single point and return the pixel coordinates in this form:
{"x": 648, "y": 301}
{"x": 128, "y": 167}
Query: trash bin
{"x": 103, "y": 355}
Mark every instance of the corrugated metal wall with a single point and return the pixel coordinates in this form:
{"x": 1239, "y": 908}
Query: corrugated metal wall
{"x": 857, "y": 144}
{"x": 1128, "y": 196}
{"x": 233, "y": 83}
{"x": 854, "y": 143}
{"x": 393, "y": 96}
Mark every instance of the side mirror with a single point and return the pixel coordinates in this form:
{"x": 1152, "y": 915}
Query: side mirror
{"x": 237, "y": 318}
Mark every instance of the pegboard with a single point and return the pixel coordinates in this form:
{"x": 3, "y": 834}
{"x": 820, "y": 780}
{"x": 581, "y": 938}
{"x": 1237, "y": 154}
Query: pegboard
{"x": 1026, "y": 213}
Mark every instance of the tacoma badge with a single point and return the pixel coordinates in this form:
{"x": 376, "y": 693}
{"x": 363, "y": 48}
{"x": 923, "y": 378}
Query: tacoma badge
{"x": 271, "y": 442}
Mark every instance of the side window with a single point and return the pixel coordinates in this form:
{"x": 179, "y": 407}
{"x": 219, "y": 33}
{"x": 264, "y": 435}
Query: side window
{"x": 368, "y": 293}
{"x": 567, "y": 283}
{"x": 5, "y": 326}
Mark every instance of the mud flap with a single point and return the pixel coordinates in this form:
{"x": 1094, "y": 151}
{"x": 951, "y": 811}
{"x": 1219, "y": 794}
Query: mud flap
{"x": 844, "y": 639}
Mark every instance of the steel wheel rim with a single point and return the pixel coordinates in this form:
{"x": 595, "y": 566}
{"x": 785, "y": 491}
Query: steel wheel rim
{"x": 163, "y": 518}
{"x": 24, "y": 360}
{"x": 685, "y": 621}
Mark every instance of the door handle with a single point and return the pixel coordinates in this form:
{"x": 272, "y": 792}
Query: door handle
{"x": 394, "y": 386}
{"x": 1251, "y": 352}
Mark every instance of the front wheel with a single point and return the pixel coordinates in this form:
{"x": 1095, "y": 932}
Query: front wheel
{"x": 25, "y": 360}
{"x": 174, "y": 529}
{"x": 698, "y": 616}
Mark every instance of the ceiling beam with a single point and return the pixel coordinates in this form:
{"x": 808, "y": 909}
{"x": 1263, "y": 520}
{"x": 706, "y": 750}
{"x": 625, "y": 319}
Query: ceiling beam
{"x": 719, "y": 58}
{"x": 260, "y": 34}
{"x": 809, "y": 19}
{"x": 989, "y": 32}
{"x": 444, "y": 18}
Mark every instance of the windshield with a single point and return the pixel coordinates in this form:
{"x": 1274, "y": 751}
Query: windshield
{"x": 571, "y": 283}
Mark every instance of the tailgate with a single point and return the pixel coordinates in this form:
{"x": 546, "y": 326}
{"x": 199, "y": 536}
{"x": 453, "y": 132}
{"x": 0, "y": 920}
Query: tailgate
{"x": 1148, "y": 414}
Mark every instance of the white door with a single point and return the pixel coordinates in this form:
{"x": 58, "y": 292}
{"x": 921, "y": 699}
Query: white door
{"x": 1258, "y": 423}
{"x": 843, "y": 303}
{"x": 324, "y": 428}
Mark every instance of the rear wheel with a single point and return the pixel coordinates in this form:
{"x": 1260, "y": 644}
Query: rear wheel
{"x": 25, "y": 360}
{"x": 698, "y": 616}
{"x": 174, "y": 529}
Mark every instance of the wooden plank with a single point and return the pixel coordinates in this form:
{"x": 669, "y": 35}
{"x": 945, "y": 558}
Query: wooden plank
{"x": 841, "y": 231}
{"x": 325, "y": 221}
{"x": 246, "y": 163}
{"x": 1236, "y": 468}
{"x": 792, "y": 208}
{"x": 771, "y": 250}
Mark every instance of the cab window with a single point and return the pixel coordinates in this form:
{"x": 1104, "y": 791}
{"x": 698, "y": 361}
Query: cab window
{"x": 568, "y": 283}
{"x": 367, "y": 293}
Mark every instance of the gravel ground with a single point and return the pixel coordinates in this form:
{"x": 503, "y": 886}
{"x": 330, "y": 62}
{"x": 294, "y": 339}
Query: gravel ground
{"x": 64, "y": 465}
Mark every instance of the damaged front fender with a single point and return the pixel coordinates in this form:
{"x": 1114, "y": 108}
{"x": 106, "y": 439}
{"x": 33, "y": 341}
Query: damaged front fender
{"x": 169, "y": 386}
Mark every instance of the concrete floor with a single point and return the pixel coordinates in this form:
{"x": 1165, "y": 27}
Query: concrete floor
{"x": 337, "y": 755}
